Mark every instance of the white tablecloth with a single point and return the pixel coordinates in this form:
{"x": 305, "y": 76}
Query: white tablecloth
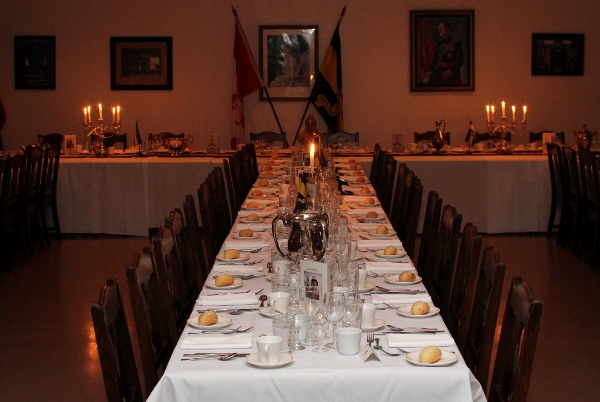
{"x": 498, "y": 193}
{"x": 315, "y": 376}
{"x": 123, "y": 195}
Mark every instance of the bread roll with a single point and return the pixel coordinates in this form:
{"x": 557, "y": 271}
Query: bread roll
{"x": 351, "y": 160}
{"x": 267, "y": 174}
{"x": 369, "y": 201}
{"x": 252, "y": 217}
{"x": 257, "y": 193}
{"x": 357, "y": 172}
{"x": 353, "y": 166}
{"x": 372, "y": 214}
{"x": 252, "y": 204}
{"x": 365, "y": 190}
{"x": 231, "y": 254}
{"x": 390, "y": 250}
{"x": 407, "y": 276}
{"x": 419, "y": 308}
{"x": 264, "y": 183}
{"x": 267, "y": 167}
{"x": 224, "y": 279}
{"x": 361, "y": 179}
{"x": 246, "y": 233}
{"x": 208, "y": 318}
{"x": 430, "y": 354}
{"x": 381, "y": 229}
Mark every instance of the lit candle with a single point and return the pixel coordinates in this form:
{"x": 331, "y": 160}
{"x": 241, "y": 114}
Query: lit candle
{"x": 493, "y": 110}
{"x": 89, "y": 114}
{"x": 514, "y": 110}
{"x": 487, "y": 109}
{"x": 114, "y": 114}
{"x": 118, "y": 114}
{"x": 312, "y": 157}
{"x": 84, "y": 115}
{"x": 503, "y": 110}
{"x": 524, "y": 114}
{"x": 100, "y": 111}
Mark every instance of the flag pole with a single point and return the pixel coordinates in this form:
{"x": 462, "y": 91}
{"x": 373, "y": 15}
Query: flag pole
{"x": 308, "y": 103}
{"x": 264, "y": 87}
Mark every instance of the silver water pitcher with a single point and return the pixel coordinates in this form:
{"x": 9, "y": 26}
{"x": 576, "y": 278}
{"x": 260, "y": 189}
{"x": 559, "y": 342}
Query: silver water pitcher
{"x": 309, "y": 233}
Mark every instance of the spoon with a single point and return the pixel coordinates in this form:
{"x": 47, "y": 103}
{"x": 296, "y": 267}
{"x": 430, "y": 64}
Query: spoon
{"x": 220, "y": 357}
{"x": 383, "y": 350}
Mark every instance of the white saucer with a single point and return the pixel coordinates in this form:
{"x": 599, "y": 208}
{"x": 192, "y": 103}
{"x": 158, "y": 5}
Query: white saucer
{"x": 363, "y": 205}
{"x": 377, "y": 323}
{"x": 405, "y": 312}
{"x": 390, "y": 233}
{"x": 392, "y": 279}
{"x": 259, "y": 197}
{"x": 374, "y": 220}
{"x": 284, "y": 358}
{"x": 447, "y": 359}
{"x": 368, "y": 287}
{"x": 221, "y": 323}
{"x": 243, "y": 220}
{"x": 255, "y": 236}
{"x": 268, "y": 312}
{"x": 210, "y": 283}
{"x": 399, "y": 253}
{"x": 242, "y": 257}
{"x": 357, "y": 256}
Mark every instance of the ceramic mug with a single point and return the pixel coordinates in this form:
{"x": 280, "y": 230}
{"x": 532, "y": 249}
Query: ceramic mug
{"x": 279, "y": 301}
{"x": 348, "y": 340}
{"x": 269, "y": 349}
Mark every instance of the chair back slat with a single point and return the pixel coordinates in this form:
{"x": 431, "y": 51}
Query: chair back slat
{"x": 431, "y": 226}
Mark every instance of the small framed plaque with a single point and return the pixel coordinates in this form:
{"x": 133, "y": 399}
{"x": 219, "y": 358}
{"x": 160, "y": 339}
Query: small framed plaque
{"x": 35, "y": 62}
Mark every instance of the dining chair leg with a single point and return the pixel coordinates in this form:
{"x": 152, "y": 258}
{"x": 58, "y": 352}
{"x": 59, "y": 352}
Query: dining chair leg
{"x": 552, "y": 217}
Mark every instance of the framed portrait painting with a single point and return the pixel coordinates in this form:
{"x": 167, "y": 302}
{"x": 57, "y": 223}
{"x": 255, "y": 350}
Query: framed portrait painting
{"x": 557, "y": 54}
{"x": 141, "y": 63}
{"x": 35, "y": 62}
{"x": 288, "y": 57}
{"x": 441, "y": 50}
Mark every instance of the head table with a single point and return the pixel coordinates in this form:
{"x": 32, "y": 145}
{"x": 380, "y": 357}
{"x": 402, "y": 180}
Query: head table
{"x": 313, "y": 376}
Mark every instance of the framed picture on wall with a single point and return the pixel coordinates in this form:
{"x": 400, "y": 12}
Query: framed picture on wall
{"x": 441, "y": 50}
{"x": 141, "y": 63}
{"x": 557, "y": 54}
{"x": 35, "y": 62}
{"x": 288, "y": 57}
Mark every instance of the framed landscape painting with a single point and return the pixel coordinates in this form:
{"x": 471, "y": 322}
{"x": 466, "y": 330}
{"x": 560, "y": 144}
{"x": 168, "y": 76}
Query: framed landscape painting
{"x": 441, "y": 50}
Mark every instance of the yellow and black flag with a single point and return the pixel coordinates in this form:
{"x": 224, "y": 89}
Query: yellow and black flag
{"x": 302, "y": 195}
{"x": 326, "y": 94}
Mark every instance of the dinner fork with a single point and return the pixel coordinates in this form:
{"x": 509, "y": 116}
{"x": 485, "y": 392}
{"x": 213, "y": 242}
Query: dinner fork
{"x": 221, "y": 331}
{"x": 370, "y": 338}
{"x": 227, "y": 293}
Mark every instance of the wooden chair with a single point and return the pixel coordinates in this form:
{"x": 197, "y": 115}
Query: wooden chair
{"x": 250, "y": 163}
{"x": 516, "y": 347}
{"x": 189, "y": 263}
{"x": 171, "y": 276}
{"x": 428, "y": 135}
{"x": 588, "y": 174}
{"x": 111, "y": 140}
{"x": 270, "y": 137}
{"x": 4, "y": 241}
{"x": 487, "y": 137}
{"x": 386, "y": 190}
{"x": 152, "y": 320}
{"x": 575, "y": 210}
{"x": 431, "y": 225}
{"x": 231, "y": 191}
{"x": 401, "y": 196}
{"x": 560, "y": 136}
{"x": 409, "y": 230}
{"x": 375, "y": 165}
{"x": 478, "y": 345}
{"x": 47, "y": 193}
{"x": 556, "y": 187}
{"x": 52, "y": 139}
{"x": 13, "y": 184}
{"x": 595, "y": 260}
{"x": 463, "y": 284}
{"x": 199, "y": 250}
{"x": 398, "y": 193}
{"x": 120, "y": 374}
{"x": 334, "y": 139}
{"x": 207, "y": 216}
{"x": 445, "y": 257}
{"x": 221, "y": 210}
{"x": 30, "y": 197}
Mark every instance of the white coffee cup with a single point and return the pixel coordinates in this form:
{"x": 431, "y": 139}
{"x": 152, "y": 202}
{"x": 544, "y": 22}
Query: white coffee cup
{"x": 279, "y": 301}
{"x": 348, "y": 339}
{"x": 479, "y": 145}
{"x": 368, "y": 315}
{"x": 533, "y": 146}
{"x": 362, "y": 279}
{"x": 282, "y": 267}
{"x": 269, "y": 349}
{"x": 412, "y": 145}
{"x": 111, "y": 150}
{"x": 78, "y": 148}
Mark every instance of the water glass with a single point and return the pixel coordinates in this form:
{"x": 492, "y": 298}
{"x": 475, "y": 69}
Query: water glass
{"x": 310, "y": 304}
{"x": 280, "y": 283}
{"x": 299, "y": 326}
{"x": 283, "y": 326}
{"x": 353, "y": 312}
{"x": 320, "y": 328}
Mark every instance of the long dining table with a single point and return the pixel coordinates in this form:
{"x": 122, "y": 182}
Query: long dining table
{"x": 307, "y": 375}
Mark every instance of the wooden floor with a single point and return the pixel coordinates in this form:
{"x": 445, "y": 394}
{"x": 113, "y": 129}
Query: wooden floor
{"x": 48, "y": 350}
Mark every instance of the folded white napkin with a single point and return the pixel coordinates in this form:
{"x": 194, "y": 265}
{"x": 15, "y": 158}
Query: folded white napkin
{"x": 358, "y": 197}
{"x": 245, "y": 244}
{"x": 383, "y": 243}
{"x": 370, "y": 226}
{"x": 262, "y": 214}
{"x": 227, "y": 300}
{"x": 360, "y": 211}
{"x": 237, "y": 269}
{"x": 237, "y": 341}
{"x": 254, "y": 226}
{"x": 390, "y": 266}
{"x": 398, "y": 298}
{"x": 419, "y": 340}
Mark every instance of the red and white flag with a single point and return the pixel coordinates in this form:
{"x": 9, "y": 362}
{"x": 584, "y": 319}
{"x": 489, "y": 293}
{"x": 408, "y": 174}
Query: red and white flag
{"x": 245, "y": 81}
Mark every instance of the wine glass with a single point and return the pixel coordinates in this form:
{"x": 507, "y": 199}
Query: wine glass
{"x": 310, "y": 303}
{"x": 334, "y": 304}
{"x": 175, "y": 145}
{"x": 320, "y": 327}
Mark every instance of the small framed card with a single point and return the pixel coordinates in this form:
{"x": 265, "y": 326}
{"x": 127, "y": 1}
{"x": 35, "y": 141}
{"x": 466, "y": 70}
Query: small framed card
{"x": 69, "y": 144}
{"x": 314, "y": 273}
{"x": 213, "y": 144}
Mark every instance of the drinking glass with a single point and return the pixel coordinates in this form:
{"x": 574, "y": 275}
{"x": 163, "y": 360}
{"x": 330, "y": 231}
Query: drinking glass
{"x": 280, "y": 283}
{"x": 334, "y": 304}
{"x": 310, "y": 303}
{"x": 320, "y": 327}
{"x": 299, "y": 324}
{"x": 353, "y": 312}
